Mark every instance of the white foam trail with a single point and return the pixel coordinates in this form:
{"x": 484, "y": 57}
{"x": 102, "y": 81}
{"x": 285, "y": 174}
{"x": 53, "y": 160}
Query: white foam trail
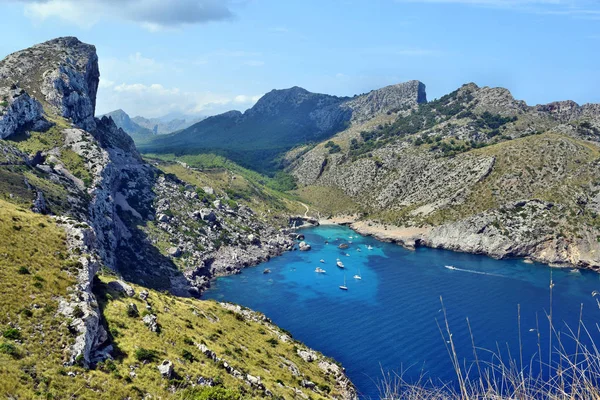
{"x": 473, "y": 272}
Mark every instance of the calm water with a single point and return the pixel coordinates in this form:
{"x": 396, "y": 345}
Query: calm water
{"x": 388, "y": 319}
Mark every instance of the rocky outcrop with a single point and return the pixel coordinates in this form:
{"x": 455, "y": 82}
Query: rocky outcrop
{"x": 19, "y": 111}
{"x": 388, "y": 99}
{"x": 61, "y": 73}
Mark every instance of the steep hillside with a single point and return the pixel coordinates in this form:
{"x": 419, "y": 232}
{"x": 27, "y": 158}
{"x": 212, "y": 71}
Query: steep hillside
{"x": 162, "y": 226}
{"x": 475, "y": 171}
{"x": 137, "y": 132}
{"x": 211, "y": 348}
{"x": 280, "y": 120}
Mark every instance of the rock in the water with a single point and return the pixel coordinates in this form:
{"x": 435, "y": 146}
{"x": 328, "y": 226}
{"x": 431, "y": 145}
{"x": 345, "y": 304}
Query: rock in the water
{"x": 304, "y": 246}
{"x": 166, "y": 369}
{"x": 122, "y": 287}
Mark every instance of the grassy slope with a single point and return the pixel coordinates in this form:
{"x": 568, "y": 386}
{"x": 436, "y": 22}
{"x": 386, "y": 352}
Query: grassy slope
{"x": 242, "y": 343}
{"x": 240, "y": 184}
{"x": 29, "y": 301}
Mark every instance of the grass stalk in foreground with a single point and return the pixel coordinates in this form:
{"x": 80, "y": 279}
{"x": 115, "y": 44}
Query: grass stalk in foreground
{"x": 570, "y": 375}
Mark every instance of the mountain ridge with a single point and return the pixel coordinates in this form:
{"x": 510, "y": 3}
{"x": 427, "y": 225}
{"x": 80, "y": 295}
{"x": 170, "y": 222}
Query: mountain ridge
{"x": 280, "y": 120}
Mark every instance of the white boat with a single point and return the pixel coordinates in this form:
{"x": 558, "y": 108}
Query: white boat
{"x": 321, "y": 260}
{"x": 369, "y": 247}
{"x": 358, "y": 249}
{"x": 339, "y": 263}
{"x": 357, "y": 276}
{"x": 320, "y": 270}
{"x": 347, "y": 255}
{"x": 450, "y": 266}
{"x": 344, "y": 287}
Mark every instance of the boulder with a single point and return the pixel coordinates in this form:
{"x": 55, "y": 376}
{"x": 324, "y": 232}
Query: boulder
{"x": 144, "y": 294}
{"x": 307, "y": 384}
{"x": 122, "y": 287}
{"x": 307, "y": 356}
{"x": 208, "y": 215}
{"x": 162, "y": 218}
{"x": 151, "y": 322}
{"x": 304, "y": 246}
{"x": 166, "y": 369}
{"x": 174, "y": 251}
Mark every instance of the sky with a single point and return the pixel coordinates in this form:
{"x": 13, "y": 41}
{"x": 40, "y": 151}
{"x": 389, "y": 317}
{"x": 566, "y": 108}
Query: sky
{"x": 204, "y": 57}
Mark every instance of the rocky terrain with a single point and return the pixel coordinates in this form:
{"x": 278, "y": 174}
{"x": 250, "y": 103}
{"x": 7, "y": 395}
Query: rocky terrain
{"x": 474, "y": 171}
{"x": 119, "y": 212}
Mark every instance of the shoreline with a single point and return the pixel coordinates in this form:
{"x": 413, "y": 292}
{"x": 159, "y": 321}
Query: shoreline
{"x": 412, "y": 237}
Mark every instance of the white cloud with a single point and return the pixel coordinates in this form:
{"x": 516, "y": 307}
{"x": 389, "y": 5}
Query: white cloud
{"x": 155, "y": 100}
{"x": 151, "y": 14}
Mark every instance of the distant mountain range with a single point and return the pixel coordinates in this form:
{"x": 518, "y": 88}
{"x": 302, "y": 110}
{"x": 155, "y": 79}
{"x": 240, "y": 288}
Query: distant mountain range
{"x": 142, "y": 129}
{"x": 282, "y": 119}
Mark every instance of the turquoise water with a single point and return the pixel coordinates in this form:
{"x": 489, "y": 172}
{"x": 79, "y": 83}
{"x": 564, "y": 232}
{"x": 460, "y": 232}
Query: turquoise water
{"x": 387, "y": 320}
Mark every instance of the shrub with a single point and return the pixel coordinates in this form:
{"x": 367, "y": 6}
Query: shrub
{"x": 12, "y": 334}
{"x": 78, "y": 312}
{"x": 23, "y": 271}
{"x": 132, "y": 311}
{"x": 188, "y": 356}
{"x": 142, "y": 354}
{"x": 10, "y": 349}
{"x": 273, "y": 342}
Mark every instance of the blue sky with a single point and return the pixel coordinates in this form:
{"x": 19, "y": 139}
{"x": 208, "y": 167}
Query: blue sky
{"x": 209, "y": 56}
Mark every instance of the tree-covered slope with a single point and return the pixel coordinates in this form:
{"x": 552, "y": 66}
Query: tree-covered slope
{"x": 280, "y": 120}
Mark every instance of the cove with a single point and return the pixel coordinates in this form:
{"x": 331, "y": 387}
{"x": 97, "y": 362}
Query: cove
{"x": 387, "y": 320}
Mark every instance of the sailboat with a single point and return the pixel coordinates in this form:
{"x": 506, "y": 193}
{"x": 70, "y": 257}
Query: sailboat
{"x": 357, "y": 276}
{"x": 344, "y": 287}
{"x": 339, "y": 263}
{"x": 369, "y": 247}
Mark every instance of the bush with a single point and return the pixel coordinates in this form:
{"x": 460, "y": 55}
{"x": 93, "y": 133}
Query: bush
{"x": 132, "y": 311}
{"x": 78, "y": 312}
{"x": 142, "y": 354}
{"x": 188, "y": 356}
{"x": 23, "y": 271}
{"x": 10, "y": 349}
{"x": 12, "y": 334}
{"x": 273, "y": 342}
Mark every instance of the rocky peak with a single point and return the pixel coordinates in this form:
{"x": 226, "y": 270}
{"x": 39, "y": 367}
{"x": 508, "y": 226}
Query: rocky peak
{"x": 495, "y": 100}
{"x": 386, "y": 99}
{"x": 62, "y": 74}
{"x": 295, "y": 97}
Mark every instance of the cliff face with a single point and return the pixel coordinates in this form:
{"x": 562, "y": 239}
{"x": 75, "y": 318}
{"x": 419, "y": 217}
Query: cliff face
{"x": 456, "y": 167}
{"x": 62, "y": 74}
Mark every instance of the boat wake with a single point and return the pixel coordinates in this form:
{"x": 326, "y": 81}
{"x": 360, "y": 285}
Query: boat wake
{"x": 453, "y": 268}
